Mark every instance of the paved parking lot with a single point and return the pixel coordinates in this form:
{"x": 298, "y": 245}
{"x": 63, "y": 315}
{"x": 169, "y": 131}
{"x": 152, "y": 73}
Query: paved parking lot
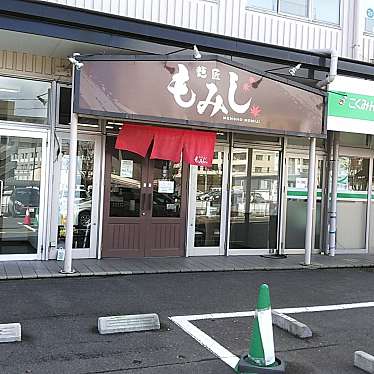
{"x": 59, "y": 318}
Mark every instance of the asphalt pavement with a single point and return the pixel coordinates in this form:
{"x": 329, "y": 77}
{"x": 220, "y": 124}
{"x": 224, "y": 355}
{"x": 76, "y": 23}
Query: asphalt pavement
{"x": 59, "y": 319}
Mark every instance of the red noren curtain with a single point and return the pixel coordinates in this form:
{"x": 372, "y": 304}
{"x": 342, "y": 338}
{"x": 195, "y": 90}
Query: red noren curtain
{"x": 197, "y": 147}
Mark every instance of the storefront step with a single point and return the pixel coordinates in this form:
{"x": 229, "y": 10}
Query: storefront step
{"x": 107, "y": 267}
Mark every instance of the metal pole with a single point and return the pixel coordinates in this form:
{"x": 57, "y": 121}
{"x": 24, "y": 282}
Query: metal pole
{"x": 310, "y": 208}
{"x": 334, "y": 189}
{"x": 327, "y": 190}
{"x": 71, "y": 184}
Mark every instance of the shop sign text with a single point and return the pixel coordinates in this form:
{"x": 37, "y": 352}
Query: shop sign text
{"x": 213, "y": 101}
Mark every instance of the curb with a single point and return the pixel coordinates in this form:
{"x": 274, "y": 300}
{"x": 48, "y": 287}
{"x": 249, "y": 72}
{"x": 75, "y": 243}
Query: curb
{"x": 291, "y": 325}
{"x": 176, "y": 271}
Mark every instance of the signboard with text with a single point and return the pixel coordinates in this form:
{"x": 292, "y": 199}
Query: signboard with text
{"x": 210, "y": 93}
{"x": 351, "y": 105}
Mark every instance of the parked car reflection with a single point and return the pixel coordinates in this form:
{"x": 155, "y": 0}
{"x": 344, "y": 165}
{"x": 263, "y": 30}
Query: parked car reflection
{"x": 21, "y": 199}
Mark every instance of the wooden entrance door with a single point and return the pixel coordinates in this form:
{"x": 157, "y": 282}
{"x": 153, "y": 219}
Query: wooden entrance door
{"x": 144, "y": 205}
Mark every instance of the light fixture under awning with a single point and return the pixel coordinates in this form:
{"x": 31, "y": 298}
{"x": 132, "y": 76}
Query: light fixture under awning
{"x": 197, "y": 147}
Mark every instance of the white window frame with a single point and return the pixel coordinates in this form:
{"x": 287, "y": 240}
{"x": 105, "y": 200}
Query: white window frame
{"x": 23, "y": 130}
{"x": 309, "y": 18}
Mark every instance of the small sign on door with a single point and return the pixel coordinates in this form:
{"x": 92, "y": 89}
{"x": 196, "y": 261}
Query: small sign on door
{"x": 127, "y": 167}
{"x": 166, "y": 186}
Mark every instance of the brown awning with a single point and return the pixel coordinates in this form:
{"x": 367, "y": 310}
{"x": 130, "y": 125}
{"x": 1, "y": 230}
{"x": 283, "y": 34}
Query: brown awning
{"x": 197, "y": 147}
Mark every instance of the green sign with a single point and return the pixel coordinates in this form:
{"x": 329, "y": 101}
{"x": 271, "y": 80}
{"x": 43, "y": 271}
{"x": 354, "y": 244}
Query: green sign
{"x": 351, "y": 105}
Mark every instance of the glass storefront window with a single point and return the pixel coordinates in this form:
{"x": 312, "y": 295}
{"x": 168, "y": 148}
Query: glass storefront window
{"x": 297, "y": 200}
{"x": 254, "y": 200}
{"x": 354, "y": 140}
{"x": 209, "y": 202}
{"x": 83, "y": 194}
{"x": 167, "y": 188}
{"x": 20, "y": 176}
{"x": 24, "y": 100}
{"x": 125, "y": 187}
{"x": 371, "y": 231}
{"x": 353, "y": 178}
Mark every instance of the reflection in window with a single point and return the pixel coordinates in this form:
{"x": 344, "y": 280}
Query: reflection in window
{"x": 208, "y": 204}
{"x": 167, "y": 189}
{"x": 353, "y": 177}
{"x": 125, "y": 184}
{"x": 240, "y": 156}
{"x": 297, "y": 198}
{"x": 20, "y": 196}
{"x": 83, "y": 194}
{"x": 239, "y": 168}
{"x": 23, "y": 100}
{"x": 326, "y": 11}
{"x": 294, "y": 7}
{"x": 369, "y": 25}
{"x": 322, "y": 10}
{"x": 353, "y": 174}
{"x": 264, "y": 4}
{"x": 254, "y": 202}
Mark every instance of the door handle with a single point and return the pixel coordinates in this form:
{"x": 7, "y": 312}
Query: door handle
{"x": 149, "y": 201}
{"x": 1, "y": 196}
{"x": 142, "y": 198}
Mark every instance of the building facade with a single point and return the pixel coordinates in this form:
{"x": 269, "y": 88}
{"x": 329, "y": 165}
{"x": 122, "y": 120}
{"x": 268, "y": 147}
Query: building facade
{"x": 254, "y": 198}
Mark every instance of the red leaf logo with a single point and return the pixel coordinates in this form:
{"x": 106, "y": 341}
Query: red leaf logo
{"x": 255, "y": 110}
{"x": 252, "y": 80}
{"x": 246, "y": 87}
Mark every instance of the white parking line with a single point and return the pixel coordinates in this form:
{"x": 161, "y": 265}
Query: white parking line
{"x": 206, "y": 341}
{"x": 184, "y": 322}
{"x": 27, "y": 226}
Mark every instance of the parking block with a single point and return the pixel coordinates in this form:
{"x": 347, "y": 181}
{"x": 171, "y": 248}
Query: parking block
{"x": 128, "y": 323}
{"x": 10, "y": 332}
{"x": 364, "y": 361}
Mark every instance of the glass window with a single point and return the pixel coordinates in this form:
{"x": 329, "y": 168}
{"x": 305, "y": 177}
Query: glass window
{"x": 254, "y": 203}
{"x": 208, "y": 204}
{"x": 167, "y": 188}
{"x": 294, "y": 7}
{"x": 371, "y": 231}
{"x": 326, "y": 11}
{"x": 297, "y": 201}
{"x": 240, "y": 156}
{"x": 368, "y": 8}
{"x": 369, "y": 25}
{"x": 125, "y": 184}
{"x": 23, "y": 100}
{"x": 354, "y": 140}
{"x": 64, "y": 106}
{"x": 353, "y": 179}
{"x": 239, "y": 168}
{"x": 264, "y": 4}
{"x": 19, "y": 196}
{"x": 83, "y": 194}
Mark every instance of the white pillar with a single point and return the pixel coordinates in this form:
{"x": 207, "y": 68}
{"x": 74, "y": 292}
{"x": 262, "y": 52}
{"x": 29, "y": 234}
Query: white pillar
{"x": 310, "y": 208}
{"x": 71, "y": 184}
{"x": 334, "y": 194}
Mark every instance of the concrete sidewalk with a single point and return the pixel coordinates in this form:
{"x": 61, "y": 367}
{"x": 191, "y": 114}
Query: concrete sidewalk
{"x": 114, "y": 266}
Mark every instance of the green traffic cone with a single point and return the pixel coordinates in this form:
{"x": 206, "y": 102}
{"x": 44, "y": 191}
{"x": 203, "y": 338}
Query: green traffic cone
{"x": 256, "y": 352}
{"x": 261, "y": 354}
